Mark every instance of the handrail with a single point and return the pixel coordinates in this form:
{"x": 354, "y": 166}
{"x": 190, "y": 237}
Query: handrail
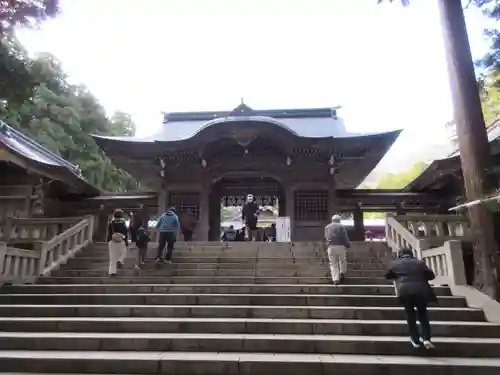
{"x": 398, "y": 236}
{"x": 42, "y": 229}
{"x": 25, "y": 266}
{"x": 442, "y": 254}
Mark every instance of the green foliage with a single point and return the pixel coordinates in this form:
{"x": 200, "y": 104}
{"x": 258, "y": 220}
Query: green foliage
{"x": 491, "y": 61}
{"x": 228, "y": 213}
{"x": 122, "y": 124}
{"x": 61, "y": 117}
{"x": 396, "y": 181}
{"x": 490, "y": 97}
{"x": 17, "y": 80}
{"x": 400, "y": 180}
{"x": 15, "y": 13}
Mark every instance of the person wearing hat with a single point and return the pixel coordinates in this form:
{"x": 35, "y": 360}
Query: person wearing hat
{"x": 337, "y": 244}
{"x": 412, "y": 277}
{"x": 168, "y": 225}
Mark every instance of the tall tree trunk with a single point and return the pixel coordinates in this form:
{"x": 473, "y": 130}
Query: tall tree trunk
{"x": 473, "y": 144}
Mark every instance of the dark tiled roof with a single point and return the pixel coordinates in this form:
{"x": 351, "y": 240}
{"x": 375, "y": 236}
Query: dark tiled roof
{"x": 27, "y": 148}
{"x": 308, "y": 122}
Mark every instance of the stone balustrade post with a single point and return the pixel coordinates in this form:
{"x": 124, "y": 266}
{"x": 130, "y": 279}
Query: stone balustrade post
{"x": 90, "y": 230}
{"x": 456, "y": 267}
{"x": 3, "y": 252}
{"x": 7, "y": 230}
{"x": 41, "y": 248}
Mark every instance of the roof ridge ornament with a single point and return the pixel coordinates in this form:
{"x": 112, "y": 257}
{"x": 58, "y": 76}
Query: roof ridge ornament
{"x": 242, "y": 110}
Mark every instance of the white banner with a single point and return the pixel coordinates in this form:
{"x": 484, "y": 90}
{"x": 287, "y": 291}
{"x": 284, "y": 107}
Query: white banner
{"x": 283, "y": 229}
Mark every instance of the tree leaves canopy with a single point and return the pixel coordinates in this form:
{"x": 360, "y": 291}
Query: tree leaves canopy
{"x": 17, "y": 80}
{"x": 15, "y": 13}
{"x": 61, "y": 117}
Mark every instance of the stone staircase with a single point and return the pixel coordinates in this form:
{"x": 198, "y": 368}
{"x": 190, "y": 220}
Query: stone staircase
{"x": 248, "y": 308}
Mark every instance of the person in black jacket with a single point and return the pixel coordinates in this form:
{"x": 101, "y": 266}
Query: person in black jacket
{"x": 412, "y": 277}
{"x": 141, "y": 241}
{"x": 249, "y": 215}
{"x": 117, "y": 238}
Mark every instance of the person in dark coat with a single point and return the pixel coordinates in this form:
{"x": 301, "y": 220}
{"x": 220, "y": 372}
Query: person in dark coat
{"x": 412, "y": 277}
{"x": 229, "y": 234}
{"x": 250, "y": 215}
{"x": 133, "y": 226}
{"x": 138, "y": 220}
{"x": 188, "y": 223}
{"x": 141, "y": 241}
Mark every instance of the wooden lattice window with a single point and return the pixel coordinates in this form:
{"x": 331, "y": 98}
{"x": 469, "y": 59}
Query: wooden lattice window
{"x": 185, "y": 202}
{"x": 311, "y": 205}
{"x": 239, "y": 200}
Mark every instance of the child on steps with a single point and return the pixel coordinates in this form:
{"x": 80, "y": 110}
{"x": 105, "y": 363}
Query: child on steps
{"x": 141, "y": 241}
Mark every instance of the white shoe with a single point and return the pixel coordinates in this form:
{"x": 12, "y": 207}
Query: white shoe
{"x": 137, "y": 269}
{"x": 428, "y": 344}
{"x": 415, "y": 344}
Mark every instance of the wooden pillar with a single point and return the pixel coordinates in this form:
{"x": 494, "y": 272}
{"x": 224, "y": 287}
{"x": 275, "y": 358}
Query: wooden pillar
{"x": 359, "y": 225}
{"x": 102, "y": 223}
{"x": 203, "y": 225}
{"x": 332, "y": 197}
{"x": 162, "y": 201}
{"x": 290, "y": 207}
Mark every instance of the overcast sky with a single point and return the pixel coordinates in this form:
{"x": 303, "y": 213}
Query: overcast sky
{"x": 383, "y": 64}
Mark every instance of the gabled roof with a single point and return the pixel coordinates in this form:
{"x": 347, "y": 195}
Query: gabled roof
{"x": 197, "y": 135}
{"x": 31, "y": 151}
{"x": 305, "y": 122}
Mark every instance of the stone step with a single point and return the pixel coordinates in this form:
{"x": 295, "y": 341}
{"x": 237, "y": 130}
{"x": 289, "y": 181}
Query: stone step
{"x": 82, "y": 264}
{"x": 248, "y": 343}
{"x": 363, "y": 280}
{"x": 216, "y": 253}
{"x": 236, "y": 245}
{"x": 239, "y": 246}
{"x": 210, "y": 363}
{"x": 215, "y": 299}
{"x": 202, "y": 280}
{"x": 167, "y": 271}
{"x": 242, "y": 325}
{"x": 85, "y": 263}
{"x": 150, "y": 264}
{"x": 241, "y": 257}
{"x": 237, "y": 311}
{"x": 229, "y": 259}
{"x": 210, "y": 288}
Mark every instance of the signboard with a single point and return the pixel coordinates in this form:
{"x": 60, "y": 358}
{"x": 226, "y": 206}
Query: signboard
{"x": 283, "y": 229}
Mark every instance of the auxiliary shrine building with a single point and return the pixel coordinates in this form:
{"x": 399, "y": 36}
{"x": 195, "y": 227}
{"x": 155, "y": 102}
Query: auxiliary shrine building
{"x": 302, "y": 159}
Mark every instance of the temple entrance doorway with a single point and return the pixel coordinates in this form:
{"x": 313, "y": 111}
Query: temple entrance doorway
{"x": 227, "y": 197}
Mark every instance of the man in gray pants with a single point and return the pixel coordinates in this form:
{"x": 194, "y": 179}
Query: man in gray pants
{"x": 337, "y": 242}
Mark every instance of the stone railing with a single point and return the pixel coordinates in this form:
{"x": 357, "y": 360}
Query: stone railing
{"x": 446, "y": 262}
{"x": 436, "y": 227}
{"x": 436, "y": 239}
{"x": 25, "y": 266}
{"x": 29, "y": 229}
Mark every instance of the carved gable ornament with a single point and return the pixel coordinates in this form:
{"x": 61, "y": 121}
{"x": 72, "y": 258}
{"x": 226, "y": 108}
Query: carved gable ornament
{"x": 243, "y": 135}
